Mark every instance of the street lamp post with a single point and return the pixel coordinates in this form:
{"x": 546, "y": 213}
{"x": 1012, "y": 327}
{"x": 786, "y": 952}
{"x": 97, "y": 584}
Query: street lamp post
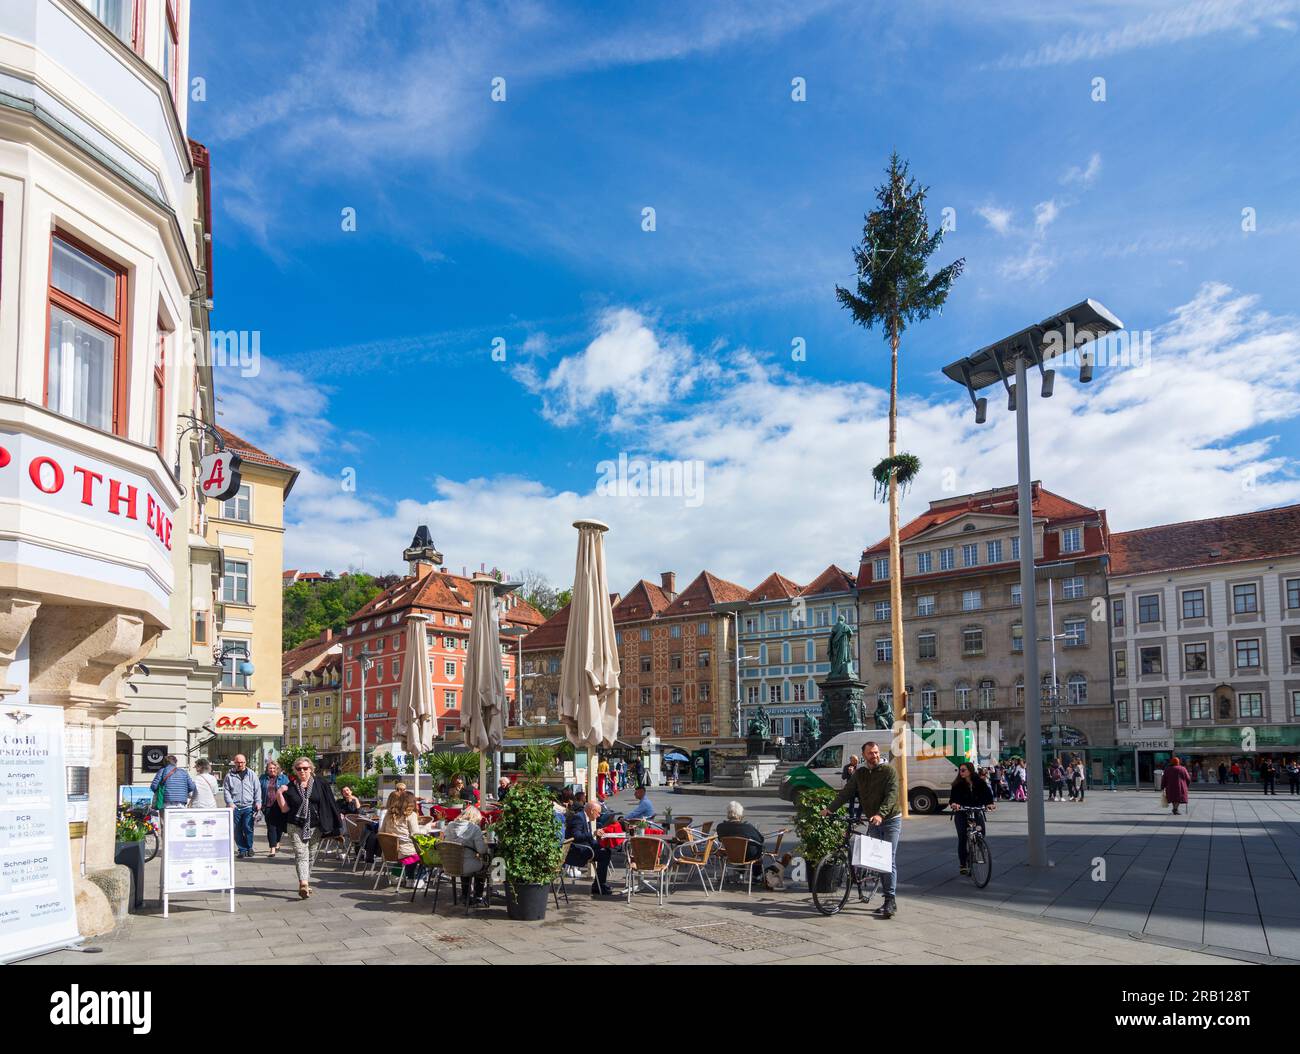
{"x": 1072, "y": 329}
{"x": 301, "y": 693}
{"x": 367, "y": 660}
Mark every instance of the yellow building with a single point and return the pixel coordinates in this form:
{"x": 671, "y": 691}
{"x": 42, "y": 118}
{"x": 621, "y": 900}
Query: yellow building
{"x": 249, "y": 531}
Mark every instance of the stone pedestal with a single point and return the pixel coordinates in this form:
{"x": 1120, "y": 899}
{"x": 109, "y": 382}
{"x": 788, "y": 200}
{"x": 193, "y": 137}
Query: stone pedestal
{"x": 843, "y": 707}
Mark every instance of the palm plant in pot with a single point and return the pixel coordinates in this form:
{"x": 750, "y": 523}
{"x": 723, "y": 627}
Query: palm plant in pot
{"x": 526, "y": 837}
{"x": 818, "y": 834}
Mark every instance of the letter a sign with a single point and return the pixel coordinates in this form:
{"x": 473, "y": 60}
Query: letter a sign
{"x": 219, "y": 475}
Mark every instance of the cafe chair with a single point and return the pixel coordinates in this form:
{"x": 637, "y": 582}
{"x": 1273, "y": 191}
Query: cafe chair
{"x": 457, "y": 863}
{"x": 694, "y": 855}
{"x": 647, "y": 862}
{"x": 558, "y": 884}
{"x": 354, "y": 839}
{"x": 388, "y": 860}
{"x": 736, "y": 857}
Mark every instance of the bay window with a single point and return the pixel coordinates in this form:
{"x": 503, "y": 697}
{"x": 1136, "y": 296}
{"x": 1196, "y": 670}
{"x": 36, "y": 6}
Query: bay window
{"x": 85, "y": 376}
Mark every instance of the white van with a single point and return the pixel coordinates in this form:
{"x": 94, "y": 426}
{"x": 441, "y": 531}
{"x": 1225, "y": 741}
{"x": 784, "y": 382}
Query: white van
{"x": 932, "y": 762}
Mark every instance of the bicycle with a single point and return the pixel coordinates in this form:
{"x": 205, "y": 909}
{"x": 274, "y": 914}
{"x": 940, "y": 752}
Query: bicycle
{"x": 840, "y": 874}
{"x": 979, "y": 857}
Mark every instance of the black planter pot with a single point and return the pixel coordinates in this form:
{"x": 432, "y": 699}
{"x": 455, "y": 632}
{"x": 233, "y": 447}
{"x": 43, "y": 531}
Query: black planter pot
{"x": 132, "y": 855}
{"x": 526, "y": 902}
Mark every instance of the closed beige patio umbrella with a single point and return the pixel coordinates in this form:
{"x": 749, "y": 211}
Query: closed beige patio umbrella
{"x": 417, "y": 721}
{"x": 483, "y": 713}
{"x": 589, "y": 675}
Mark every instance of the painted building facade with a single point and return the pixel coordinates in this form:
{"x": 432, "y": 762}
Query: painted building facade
{"x": 962, "y": 616}
{"x": 1205, "y": 640}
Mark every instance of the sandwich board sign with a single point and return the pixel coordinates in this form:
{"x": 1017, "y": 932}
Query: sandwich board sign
{"x": 38, "y": 910}
{"x": 198, "y": 852}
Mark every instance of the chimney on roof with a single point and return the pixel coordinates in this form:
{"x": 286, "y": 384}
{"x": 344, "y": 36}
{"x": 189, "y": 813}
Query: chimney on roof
{"x": 327, "y": 634}
{"x": 668, "y": 583}
{"x": 421, "y": 555}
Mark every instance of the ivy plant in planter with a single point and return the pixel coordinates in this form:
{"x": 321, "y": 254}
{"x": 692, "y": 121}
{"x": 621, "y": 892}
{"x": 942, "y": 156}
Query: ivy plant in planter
{"x": 818, "y": 834}
{"x": 527, "y": 840}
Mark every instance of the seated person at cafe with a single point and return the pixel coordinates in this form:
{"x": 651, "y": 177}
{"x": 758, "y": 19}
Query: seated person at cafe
{"x": 586, "y": 848}
{"x": 403, "y": 821}
{"x": 734, "y": 826}
{"x": 644, "y": 808}
{"x": 349, "y": 804}
{"x": 465, "y": 830}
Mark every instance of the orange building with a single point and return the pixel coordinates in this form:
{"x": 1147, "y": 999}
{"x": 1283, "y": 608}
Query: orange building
{"x": 379, "y": 630}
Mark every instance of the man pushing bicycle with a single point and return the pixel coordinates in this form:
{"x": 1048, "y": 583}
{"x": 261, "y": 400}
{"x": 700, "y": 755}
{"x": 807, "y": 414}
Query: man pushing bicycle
{"x": 876, "y": 785}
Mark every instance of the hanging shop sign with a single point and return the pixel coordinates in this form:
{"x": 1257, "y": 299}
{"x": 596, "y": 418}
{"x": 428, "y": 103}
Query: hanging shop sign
{"x": 219, "y": 475}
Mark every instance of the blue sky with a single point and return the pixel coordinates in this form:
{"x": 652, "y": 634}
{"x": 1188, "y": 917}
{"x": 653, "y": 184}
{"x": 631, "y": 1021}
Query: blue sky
{"x": 522, "y": 220}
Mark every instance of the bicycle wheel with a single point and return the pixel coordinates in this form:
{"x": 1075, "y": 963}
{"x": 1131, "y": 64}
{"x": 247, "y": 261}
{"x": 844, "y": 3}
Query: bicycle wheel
{"x": 150, "y": 846}
{"x": 831, "y": 881}
{"x": 981, "y": 861}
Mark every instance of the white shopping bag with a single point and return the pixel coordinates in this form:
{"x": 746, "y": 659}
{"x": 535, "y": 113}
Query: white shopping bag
{"x": 875, "y": 854}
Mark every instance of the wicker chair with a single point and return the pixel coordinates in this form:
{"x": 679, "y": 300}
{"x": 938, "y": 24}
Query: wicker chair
{"x": 456, "y": 863}
{"x": 390, "y": 859}
{"x": 647, "y": 861}
{"x": 558, "y": 885}
{"x": 736, "y": 851}
{"x": 694, "y": 854}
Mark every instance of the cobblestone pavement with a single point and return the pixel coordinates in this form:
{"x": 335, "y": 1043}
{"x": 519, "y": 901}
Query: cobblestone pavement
{"x": 942, "y": 918}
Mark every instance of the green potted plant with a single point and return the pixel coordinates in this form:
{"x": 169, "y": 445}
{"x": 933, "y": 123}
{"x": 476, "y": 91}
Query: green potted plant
{"x": 527, "y": 839}
{"x": 818, "y": 834}
{"x": 130, "y": 837}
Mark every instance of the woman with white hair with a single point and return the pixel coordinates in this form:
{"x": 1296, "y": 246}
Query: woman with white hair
{"x": 734, "y": 826}
{"x": 466, "y": 830}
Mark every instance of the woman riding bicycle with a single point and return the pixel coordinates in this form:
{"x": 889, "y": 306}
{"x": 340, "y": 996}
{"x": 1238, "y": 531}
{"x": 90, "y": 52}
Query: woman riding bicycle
{"x": 970, "y": 791}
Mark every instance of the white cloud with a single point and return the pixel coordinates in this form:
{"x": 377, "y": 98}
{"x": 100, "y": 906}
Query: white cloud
{"x": 1044, "y": 213}
{"x": 1083, "y": 175}
{"x": 1189, "y": 439}
{"x": 1171, "y": 24}
{"x": 997, "y": 218}
{"x": 627, "y": 365}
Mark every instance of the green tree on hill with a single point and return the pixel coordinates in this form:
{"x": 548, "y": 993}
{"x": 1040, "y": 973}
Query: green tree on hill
{"x": 310, "y": 607}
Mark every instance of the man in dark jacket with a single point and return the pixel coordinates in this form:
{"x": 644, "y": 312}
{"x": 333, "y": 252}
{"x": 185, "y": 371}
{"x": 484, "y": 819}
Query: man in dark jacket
{"x": 586, "y": 848}
{"x": 876, "y": 785}
{"x": 734, "y": 826}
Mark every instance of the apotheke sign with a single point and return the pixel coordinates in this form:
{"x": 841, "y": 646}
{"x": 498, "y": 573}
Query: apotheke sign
{"x": 36, "y": 472}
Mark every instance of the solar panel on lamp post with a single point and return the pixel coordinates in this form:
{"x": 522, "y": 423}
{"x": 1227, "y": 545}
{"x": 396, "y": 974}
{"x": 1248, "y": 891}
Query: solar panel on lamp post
{"x": 1063, "y": 333}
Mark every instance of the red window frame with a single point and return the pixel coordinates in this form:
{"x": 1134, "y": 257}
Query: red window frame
{"x": 115, "y": 327}
{"x": 174, "y": 33}
{"x": 160, "y": 384}
{"x": 137, "y": 27}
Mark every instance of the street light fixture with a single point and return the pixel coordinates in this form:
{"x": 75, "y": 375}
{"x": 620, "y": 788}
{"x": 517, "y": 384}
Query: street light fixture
{"x": 367, "y": 661}
{"x": 1074, "y": 328}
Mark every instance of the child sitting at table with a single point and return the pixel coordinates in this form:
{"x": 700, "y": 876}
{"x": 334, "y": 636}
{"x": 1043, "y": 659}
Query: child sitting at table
{"x": 403, "y": 821}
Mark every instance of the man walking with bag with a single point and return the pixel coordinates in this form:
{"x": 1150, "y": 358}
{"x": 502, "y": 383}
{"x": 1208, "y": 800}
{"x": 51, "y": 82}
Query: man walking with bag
{"x": 876, "y": 787}
{"x": 172, "y": 786}
{"x": 243, "y": 792}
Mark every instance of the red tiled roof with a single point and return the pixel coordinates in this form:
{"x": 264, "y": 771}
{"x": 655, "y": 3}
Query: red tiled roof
{"x": 550, "y": 634}
{"x": 644, "y": 600}
{"x": 775, "y": 587}
{"x": 248, "y": 452}
{"x": 1049, "y": 507}
{"x": 832, "y": 580}
{"x": 303, "y": 656}
{"x": 439, "y": 591}
{"x": 707, "y": 589}
{"x": 1268, "y": 534}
